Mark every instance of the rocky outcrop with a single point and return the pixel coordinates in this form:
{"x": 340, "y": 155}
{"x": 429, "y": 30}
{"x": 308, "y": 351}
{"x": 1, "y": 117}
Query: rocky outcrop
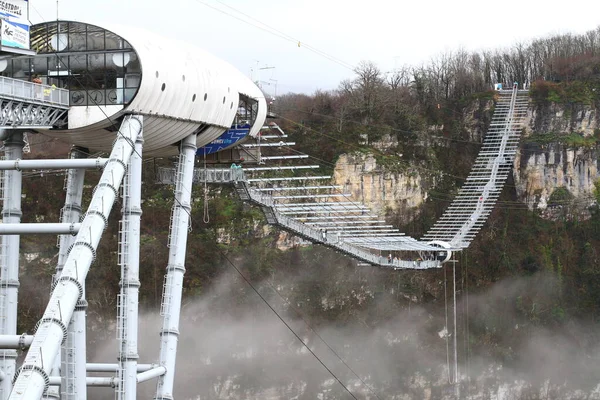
{"x": 559, "y": 154}
{"x": 381, "y": 190}
{"x": 540, "y": 170}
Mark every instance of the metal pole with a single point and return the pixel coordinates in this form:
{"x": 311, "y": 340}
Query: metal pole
{"x": 40, "y": 228}
{"x": 54, "y": 164}
{"x": 171, "y": 302}
{"x": 68, "y": 363}
{"x": 33, "y": 375}
{"x": 129, "y": 258}
{"x": 150, "y": 374}
{"x": 106, "y": 367}
{"x": 9, "y": 264}
{"x": 15, "y": 341}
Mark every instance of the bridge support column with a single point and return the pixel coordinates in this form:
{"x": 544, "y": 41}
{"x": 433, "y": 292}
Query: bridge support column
{"x": 33, "y": 376}
{"x": 129, "y": 259}
{"x": 171, "y": 301}
{"x": 9, "y": 259}
{"x": 70, "y": 362}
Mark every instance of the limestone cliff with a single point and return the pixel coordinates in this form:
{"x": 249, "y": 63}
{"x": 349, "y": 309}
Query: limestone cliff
{"x": 558, "y": 154}
{"x": 379, "y": 189}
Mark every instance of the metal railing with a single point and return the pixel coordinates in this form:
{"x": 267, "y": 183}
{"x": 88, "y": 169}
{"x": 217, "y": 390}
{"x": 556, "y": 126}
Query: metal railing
{"x": 266, "y": 201}
{"x": 33, "y": 92}
{"x": 209, "y": 175}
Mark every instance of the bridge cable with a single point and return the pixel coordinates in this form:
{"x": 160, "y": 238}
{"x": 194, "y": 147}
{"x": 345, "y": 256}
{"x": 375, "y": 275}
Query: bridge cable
{"x": 291, "y": 329}
{"x": 455, "y": 326}
{"x": 446, "y": 333}
{"x": 278, "y": 33}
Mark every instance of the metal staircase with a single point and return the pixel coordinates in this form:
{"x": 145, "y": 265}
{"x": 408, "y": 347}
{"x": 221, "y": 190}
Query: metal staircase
{"x": 477, "y": 197}
{"x": 31, "y": 105}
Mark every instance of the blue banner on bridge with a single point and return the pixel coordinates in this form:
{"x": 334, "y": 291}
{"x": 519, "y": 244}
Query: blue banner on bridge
{"x": 228, "y": 138}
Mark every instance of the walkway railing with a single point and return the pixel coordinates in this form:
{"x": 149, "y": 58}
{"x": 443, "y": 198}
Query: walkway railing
{"x": 33, "y": 92}
{"x": 456, "y": 227}
{"x": 359, "y": 251}
{"x": 478, "y": 196}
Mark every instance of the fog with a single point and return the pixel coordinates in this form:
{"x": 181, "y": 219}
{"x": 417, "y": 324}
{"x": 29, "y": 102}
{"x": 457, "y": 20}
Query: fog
{"x": 232, "y": 346}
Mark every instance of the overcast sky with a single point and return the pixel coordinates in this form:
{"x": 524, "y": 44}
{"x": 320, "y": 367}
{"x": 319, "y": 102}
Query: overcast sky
{"x": 390, "y": 33}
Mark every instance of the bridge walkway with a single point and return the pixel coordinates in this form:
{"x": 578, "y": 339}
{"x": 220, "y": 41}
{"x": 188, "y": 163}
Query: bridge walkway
{"x": 26, "y": 104}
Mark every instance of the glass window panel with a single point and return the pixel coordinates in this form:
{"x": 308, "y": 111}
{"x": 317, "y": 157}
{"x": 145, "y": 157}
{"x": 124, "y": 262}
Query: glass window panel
{"x": 132, "y": 80}
{"x": 77, "y": 97}
{"x": 96, "y": 62}
{"x": 94, "y": 28}
{"x": 113, "y": 41}
{"x": 129, "y": 93}
{"x": 112, "y": 96}
{"x": 58, "y": 66}
{"x": 22, "y": 68}
{"x": 134, "y": 64}
{"x": 77, "y": 27}
{"x": 77, "y": 42}
{"x": 39, "y": 38}
{"x": 40, "y": 66}
{"x": 95, "y": 40}
{"x": 78, "y": 64}
{"x": 96, "y": 97}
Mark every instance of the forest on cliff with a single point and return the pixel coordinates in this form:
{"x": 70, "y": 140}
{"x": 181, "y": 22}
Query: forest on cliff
{"x": 529, "y": 286}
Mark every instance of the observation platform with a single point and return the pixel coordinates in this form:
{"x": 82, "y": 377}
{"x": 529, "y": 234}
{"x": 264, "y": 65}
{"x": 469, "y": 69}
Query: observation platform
{"x": 26, "y": 104}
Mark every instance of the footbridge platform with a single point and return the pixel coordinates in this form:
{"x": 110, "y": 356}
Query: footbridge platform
{"x": 29, "y": 105}
{"x": 348, "y": 228}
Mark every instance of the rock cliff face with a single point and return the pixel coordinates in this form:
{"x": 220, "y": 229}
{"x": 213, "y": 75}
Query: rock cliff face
{"x": 558, "y": 154}
{"x": 556, "y": 167}
{"x": 382, "y": 191}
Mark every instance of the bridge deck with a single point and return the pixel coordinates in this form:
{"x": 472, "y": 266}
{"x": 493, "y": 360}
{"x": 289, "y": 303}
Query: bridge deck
{"x": 346, "y": 226}
{"x": 31, "y": 105}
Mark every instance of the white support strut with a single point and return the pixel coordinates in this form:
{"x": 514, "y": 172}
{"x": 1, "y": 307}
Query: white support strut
{"x": 33, "y": 377}
{"x": 129, "y": 260}
{"x": 172, "y": 291}
{"x": 70, "y": 361}
{"x": 9, "y": 264}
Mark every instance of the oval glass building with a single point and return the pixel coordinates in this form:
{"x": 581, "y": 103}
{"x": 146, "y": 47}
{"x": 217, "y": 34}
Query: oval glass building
{"x": 110, "y": 72}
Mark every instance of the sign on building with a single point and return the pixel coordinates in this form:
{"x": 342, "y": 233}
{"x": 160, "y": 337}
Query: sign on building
{"x": 14, "y": 25}
{"x": 14, "y": 34}
{"x": 14, "y": 9}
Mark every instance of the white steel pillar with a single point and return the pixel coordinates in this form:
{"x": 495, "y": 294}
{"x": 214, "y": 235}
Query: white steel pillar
{"x": 173, "y": 286}
{"x": 129, "y": 259}
{"x": 33, "y": 376}
{"x": 70, "y": 362}
{"x": 9, "y": 260}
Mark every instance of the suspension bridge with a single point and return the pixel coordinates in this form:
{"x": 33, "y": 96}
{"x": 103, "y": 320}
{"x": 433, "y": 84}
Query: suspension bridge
{"x": 200, "y": 105}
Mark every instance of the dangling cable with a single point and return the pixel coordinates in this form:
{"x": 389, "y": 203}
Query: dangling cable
{"x": 468, "y": 345}
{"x": 206, "y": 217}
{"x": 446, "y": 327}
{"x": 455, "y": 329}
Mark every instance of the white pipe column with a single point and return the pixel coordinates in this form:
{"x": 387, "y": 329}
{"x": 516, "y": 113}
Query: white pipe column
{"x": 9, "y": 260}
{"x": 129, "y": 258}
{"x": 73, "y": 351}
{"x": 171, "y": 302}
{"x": 33, "y": 377}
